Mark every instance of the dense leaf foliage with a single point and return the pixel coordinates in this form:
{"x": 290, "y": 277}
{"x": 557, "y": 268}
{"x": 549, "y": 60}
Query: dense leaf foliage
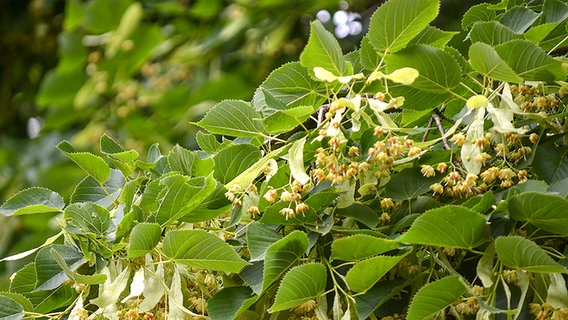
{"x": 403, "y": 179}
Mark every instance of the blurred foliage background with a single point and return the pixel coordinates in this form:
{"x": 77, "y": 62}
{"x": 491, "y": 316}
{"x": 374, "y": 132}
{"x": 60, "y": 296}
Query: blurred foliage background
{"x": 139, "y": 71}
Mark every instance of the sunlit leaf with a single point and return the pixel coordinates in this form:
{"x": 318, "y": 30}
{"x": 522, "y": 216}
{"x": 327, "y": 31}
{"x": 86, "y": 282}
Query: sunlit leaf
{"x": 478, "y": 12}
{"x": 301, "y": 284}
{"x": 519, "y": 19}
{"x": 201, "y": 249}
{"x": 90, "y": 190}
{"x": 531, "y": 62}
{"x": 143, "y": 238}
{"x": 94, "y": 165}
{"x": 491, "y": 32}
{"x": 234, "y": 160}
{"x": 448, "y": 226}
{"x": 296, "y": 162}
{"x": 434, "y": 37}
{"x": 397, "y": 22}
{"x": 233, "y": 118}
{"x": 33, "y": 200}
{"x": 350, "y": 248}
{"x": 519, "y": 253}
{"x": 323, "y": 51}
{"x": 434, "y": 297}
{"x": 485, "y": 59}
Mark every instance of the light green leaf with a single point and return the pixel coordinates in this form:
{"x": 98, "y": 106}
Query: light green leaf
{"x": 301, "y": 284}
{"x": 409, "y": 183}
{"x": 97, "y": 278}
{"x": 491, "y": 32}
{"x": 234, "y": 160}
{"x": 538, "y": 33}
{"x": 197, "y": 248}
{"x": 519, "y": 19}
{"x": 448, "y": 226}
{"x": 397, "y": 22}
{"x": 208, "y": 142}
{"x": 228, "y": 303}
{"x": 296, "y": 162}
{"x": 519, "y": 253}
{"x": 323, "y": 51}
{"x": 470, "y": 150}
{"x": 182, "y": 160}
{"x": 438, "y": 70}
{"x": 10, "y": 309}
{"x": 94, "y": 165}
{"x": 485, "y": 266}
{"x": 143, "y": 238}
{"x": 49, "y": 274}
{"x": 361, "y": 246}
{"x": 485, "y": 59}
{"x": 545, "y": 211}
{"x": 286, "y": 120}
{"x": 415, "y": 99}
{"x": 50, "y": 300}
{"x": 24, "y": 280}
{"x": 90, "y": 190}
{"x": 434, "y": 37}
{"x": 154, "y": 285}
{"x": 20, "y": 299}
{"x": 87, "y": 218}
{"x": 434, "y": 297}
{"x": 369, "y": 56}
{"x": 259, "y": 238}
{"x": 235, "y": 118}
{"x": 531, "y": 62}
{"x": 110, "y": 291}
{"x": 366, "y": 273}
{"x": 282, "y": 255}
{"x": 293, "y": 85}
{"x": 478, "y": 12}
{"x": 33, "y": 200}
{"x": 247, "y": 176}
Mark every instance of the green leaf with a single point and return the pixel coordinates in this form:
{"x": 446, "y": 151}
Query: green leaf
{"x": 24, "y": 280}
{"x": 538, "y": 33}
{"x": 105, "y": 195}
{"x": 448, "y": 226}
{"x": 282, "y": 255}
{"x": 366, "y": 273}
{"x": 49, "y": 274}
{"x": 550, "y": 163}
{"x": 90, "y": 279}
{"x": 519, "y": 253}
{"x": 235, "y": 118}
{"x": 208, "y": 142}
{"x": 519, "y": 19}
{"x": 197, "y": 248}
{"x": 486, "y": 60}
{"x": 438, "y": 70}
{"x": 361, "y": 213}
{"x": 144, "y": 238}
{"x": 10, "y": 309}
{"x": 177, "y": 196}
{"x": 20, "y": 299}
{"x": 50, "y": 300}
{"x": 369, "y": 56}
{"x": 259, "y": 238}
{"x": 113, "y": 149}
{"x": 491, "y": 32}
{"x": 434, "y": 37}
{"x": 351, "y": 248}
{"x": 94, "y": 165}
{"x": 285, "y": 120}
{"x": 397, "y": 22}
{"x": 228, "y": 303}
{"x": 234, "y": 160}
{"x": 378, "y": 295}
{"x": 248, "y": 176}
{"x": 478, "y": 12}
{"x": 545, "y": 211}
{"x": 33, "y": 200}
{"x": 301, "y": 284}
{"x": 323, "y": 51}
{"x": 434, "y": 297}
{"x": 293, "y": 85}
{"x": 554, "y": 11}
{"x": 88, "y": 218}
{"x": 531, "y": 62}
{"x": 415, "y": 99}
{"x": 408, "y": 184}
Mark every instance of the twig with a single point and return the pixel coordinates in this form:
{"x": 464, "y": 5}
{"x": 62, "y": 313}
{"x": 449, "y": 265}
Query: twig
{"x": 436, "y": 118}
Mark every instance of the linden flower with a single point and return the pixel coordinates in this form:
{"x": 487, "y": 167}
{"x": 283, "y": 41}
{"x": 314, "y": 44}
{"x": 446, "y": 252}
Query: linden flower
{"x": 302, "y": 208}
{"x": 459, "y": 139}
{"x": 427, "y": 171}
{"x": 387, "y": 203}
{"x": 286, "y": 196}
{"x": 414, "y": 151}
{"x": 437, "y": 188}
{"x": 442, "y": 167}
{"x": 253, "y": 211}
{"x": 288, "y": 213}
{"x": 270, "y": 195}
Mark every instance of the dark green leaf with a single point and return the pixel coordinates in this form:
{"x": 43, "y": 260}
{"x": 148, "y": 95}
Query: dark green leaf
{"x": 361, "y": 213}
{"x": 545, "y": 211}
{"x": 33, "y": 200}
{"x": 492, "y": 33}
{"x": 228, "y": 303}
{"x": 49, "y": 274}
{"x": 554, "y": 11}
{"x": 10, "y": 309}
{"x": 531, "y": 62}
{"x": 20, "y": 299}
{"x": 550, "y": 163}
{"x": 377, "y": 296}
{"x": 519, "y": 19}
{"x": 448, "y": 226}
{"x": 301, "y": 284}
{"x": 144, "y": 237}
{"x": 50, "y": 300}
{"x": 197, "y": 248}
{"x": 88, "y": 218}
{"x": 434, "y": 297}
{"x": 366, "y": 273}
{"x": 259, "y": 238}
{"x": 397, "y": 22}
{"x": 408, "y": 183}
{"x": 519, "y": 253}
{"x": 90, "y": 190}
{"x": 113, "y": 149}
